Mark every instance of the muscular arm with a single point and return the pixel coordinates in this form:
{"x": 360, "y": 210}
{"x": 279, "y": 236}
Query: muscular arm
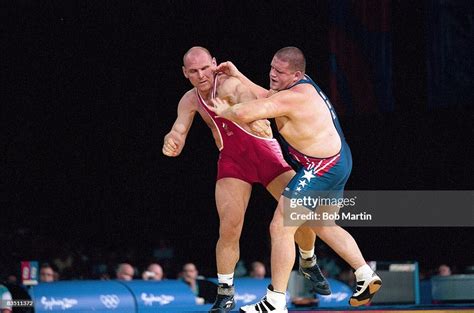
{"x": 282, "y": 103}
{"x": 233, "y": 91}
{"x": 231, "y": 70}
{"x": 174, "y": 141}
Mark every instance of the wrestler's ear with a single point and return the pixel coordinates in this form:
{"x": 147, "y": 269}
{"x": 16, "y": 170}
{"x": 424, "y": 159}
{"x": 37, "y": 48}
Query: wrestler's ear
{"x": 184, "y": 72}
{"x": 298, "y": 75}
{"x": 214, "y": 62}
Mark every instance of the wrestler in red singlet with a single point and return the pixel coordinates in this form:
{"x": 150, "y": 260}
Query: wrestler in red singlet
{"x": 243, "y": 155}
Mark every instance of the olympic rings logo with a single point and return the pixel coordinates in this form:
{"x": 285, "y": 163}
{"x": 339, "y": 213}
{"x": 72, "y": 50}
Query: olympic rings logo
{"x": 110, "y": 301}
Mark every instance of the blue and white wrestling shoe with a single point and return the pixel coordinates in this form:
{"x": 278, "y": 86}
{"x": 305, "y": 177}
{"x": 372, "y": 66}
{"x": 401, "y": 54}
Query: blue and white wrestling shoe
{"x": 274, "y": 302}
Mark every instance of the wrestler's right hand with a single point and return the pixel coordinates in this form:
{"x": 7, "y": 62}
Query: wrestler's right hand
{"x": 170, "y": 145}
{"x": 271, "y": 92}
{"x": 261, "y": 128}
{"x": 228, "y": 68}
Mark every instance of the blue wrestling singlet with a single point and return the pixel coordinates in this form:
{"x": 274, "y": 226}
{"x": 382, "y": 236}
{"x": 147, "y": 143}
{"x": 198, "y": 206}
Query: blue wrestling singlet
{"x": 318, "y": 177}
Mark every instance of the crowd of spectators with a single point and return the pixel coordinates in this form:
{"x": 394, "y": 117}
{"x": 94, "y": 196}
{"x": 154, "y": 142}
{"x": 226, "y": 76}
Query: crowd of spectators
{"x": 64, "y": 262}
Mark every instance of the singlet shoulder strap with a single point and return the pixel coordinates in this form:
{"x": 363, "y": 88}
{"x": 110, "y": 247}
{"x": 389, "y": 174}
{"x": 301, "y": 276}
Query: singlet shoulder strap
{"x": 214, "y": 86}
{"x": 305, "y": 80}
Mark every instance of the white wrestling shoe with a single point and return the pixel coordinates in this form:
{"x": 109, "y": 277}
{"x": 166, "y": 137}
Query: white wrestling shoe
{"x": 365, "y": 290}
{"x": 267, "y": 304}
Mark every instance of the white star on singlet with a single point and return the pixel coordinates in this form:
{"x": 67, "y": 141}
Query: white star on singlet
{"x": 308, "y": 175}
{"x": 302, "y": 183}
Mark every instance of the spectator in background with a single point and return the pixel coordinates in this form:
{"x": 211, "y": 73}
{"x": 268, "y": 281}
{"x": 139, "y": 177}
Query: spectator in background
{"x": 5, "y": 296}
{"x": 154, "y": 271}
{"x": 125, "y": 272}
{"x": 47, "y": 273}
{"x": 163, "y": 253}
{"x": 189, "y": 275}
{"x": 257, "y": 270}
{"x": 444, "y": 270}
{"x": 203, "y": 289}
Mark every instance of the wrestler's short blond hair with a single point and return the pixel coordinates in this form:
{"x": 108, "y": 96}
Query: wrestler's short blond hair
{"x": 294, "y": 56}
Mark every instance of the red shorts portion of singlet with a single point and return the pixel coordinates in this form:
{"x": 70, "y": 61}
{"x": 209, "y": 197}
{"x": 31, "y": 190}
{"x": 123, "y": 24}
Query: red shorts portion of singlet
{"x": 251, "y": 159}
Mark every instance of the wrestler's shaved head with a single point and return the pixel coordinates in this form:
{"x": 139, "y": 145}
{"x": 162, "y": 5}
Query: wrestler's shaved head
{"x": 195, "y": 51}
{"x": 294, "y": 57}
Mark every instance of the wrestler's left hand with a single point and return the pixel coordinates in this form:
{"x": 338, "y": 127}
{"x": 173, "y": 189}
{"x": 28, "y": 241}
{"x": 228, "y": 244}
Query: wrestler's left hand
{"x": 219, "y": 106}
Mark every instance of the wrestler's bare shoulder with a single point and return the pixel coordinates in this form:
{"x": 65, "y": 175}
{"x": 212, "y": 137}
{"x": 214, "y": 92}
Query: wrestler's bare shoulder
{"x": 228, "y": 80}
{"x": 306, "y": 89}
{"x": 189, "y": 100}
{"x": 303, "y": 94}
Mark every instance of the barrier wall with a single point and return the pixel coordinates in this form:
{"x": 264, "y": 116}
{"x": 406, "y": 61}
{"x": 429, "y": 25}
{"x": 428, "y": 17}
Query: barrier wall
{"x": 453, "y": 288}
{"x": 82, "y": 296}
{"x": 249, "y": 290}
{"x": 175, "y": 296}
{"x": 157, "y": 296}
{"x": 135, "y": 296}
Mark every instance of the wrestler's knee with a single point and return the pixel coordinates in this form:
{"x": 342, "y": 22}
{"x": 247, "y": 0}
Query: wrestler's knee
{"x": 279, "y": 230}
{"x": 230, "y": 229}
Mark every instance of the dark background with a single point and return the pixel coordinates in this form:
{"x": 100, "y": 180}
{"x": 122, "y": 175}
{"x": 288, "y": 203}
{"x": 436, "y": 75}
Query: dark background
{"x": 91, "y": 88}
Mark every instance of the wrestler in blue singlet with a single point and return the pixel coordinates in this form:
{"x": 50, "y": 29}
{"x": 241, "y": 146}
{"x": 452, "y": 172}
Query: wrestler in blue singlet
{"x": 318, "y": 177}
